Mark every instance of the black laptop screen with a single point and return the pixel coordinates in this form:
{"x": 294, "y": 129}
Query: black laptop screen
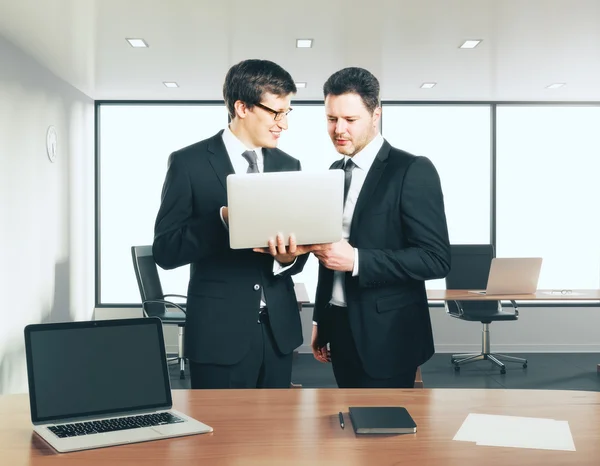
{"x": 93, "y": 368}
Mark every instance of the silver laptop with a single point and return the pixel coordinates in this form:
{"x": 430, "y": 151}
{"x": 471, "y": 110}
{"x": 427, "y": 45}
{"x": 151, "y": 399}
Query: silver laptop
{"x": 309, "y": 205}
{"x": 510, "y": 275}
{"x": 101, "y": 383}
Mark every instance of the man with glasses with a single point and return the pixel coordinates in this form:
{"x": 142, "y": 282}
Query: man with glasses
{"x": 242, "y": 320}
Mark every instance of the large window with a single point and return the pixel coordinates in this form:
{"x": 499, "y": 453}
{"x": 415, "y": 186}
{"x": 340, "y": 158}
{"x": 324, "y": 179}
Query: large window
{"x": 456, "y": 138}
{"x": 548, "y": 165}
{"x": 135, "y": 143}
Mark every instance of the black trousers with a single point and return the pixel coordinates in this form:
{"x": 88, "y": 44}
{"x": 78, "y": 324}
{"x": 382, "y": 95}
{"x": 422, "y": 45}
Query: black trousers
{"x": 262, "y": 367}
{"x": 347, "y": 366}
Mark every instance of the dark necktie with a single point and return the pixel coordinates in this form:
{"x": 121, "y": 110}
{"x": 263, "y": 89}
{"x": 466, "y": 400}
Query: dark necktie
{"x": 348, "y": 177}
{"x": 252, "y": 159}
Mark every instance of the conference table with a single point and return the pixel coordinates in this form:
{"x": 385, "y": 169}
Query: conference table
{"x": 301, "y": 427}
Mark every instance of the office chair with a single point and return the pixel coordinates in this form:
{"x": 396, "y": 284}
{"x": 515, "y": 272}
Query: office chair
{"x": 153, "y": 299}
{"x": 470, "y": 269}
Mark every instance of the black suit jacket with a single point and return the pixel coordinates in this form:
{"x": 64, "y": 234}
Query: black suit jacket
{"x": 223, "y": 304}
{"x": 399, "y": 227}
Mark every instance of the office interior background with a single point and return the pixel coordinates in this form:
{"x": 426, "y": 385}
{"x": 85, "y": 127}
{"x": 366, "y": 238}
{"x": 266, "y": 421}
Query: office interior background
{"x": 518, "y": 157}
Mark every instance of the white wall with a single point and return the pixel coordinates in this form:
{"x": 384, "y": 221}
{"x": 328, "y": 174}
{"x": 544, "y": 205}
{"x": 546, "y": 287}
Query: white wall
{"x": 46, "y": 209}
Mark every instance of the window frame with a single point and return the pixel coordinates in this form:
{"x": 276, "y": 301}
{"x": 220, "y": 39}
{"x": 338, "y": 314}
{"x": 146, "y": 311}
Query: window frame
{"x": 493, "y": 173}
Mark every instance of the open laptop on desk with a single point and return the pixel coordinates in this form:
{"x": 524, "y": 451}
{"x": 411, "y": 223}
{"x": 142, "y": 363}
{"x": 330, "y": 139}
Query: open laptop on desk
{"x": 101, "y": 383}
{"x": 510, "y": 275}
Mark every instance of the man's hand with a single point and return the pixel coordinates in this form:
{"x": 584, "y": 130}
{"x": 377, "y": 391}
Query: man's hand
{"x": 321, "y": 354}
{"x": 335, "y": 256}
{"x": 282, "y": 254}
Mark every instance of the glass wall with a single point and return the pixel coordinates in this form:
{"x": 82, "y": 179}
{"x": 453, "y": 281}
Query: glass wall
{"x": 547, "y": 163}
{"x": 135, "y": 142}
{"x": 456, "y": 138}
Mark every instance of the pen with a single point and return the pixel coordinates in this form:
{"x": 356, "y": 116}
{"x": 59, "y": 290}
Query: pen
{"x": 341, "y": 416}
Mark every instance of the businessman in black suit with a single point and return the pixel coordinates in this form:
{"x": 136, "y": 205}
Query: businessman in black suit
{"x": 242, "y": 315}
{"x": 371, "y": 317}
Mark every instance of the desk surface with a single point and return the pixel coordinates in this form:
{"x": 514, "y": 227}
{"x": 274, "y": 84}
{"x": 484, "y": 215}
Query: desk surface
{"x": 540, "y": 295}
{"x": 300, "y": 427}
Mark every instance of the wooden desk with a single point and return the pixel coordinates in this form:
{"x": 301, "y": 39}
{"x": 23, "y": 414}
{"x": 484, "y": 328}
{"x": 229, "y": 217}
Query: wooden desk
{"x": 300, "y": 427}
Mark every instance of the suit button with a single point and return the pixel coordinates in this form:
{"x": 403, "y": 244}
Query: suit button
{"x": 256, "y": 287}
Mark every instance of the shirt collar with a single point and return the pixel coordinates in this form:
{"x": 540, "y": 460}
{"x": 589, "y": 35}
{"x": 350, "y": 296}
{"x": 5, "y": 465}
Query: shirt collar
{"x": 236, "y": 147}
{"x": 365, "y": 158}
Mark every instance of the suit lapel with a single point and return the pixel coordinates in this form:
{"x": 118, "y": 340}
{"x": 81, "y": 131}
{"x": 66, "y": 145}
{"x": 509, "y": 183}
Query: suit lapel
{"x": 338, "y": 164}
{"x": 371, "y": 183}
{"x": 271, "y": 162}
{"x": 219, "y": 159}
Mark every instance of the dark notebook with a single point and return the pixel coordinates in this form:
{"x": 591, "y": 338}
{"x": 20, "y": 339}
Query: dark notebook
{"x": 382, "y": 420}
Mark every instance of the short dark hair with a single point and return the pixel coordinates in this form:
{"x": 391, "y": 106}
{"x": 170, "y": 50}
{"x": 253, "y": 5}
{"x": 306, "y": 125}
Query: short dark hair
{"x": 354, "y": 80}
{"x": 250, "y": 79}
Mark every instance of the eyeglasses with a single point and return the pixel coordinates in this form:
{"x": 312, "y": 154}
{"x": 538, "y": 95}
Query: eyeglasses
{"x": 277, "y": 116}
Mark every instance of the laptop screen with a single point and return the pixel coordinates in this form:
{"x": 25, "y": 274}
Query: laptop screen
{"x": 96, "y": 368}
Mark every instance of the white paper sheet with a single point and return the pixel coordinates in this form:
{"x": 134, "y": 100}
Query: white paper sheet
{"x": 560, "y": 293}
{"x": 516, "y": 432}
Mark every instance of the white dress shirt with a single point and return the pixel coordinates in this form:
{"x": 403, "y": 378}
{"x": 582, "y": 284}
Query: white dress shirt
{"x": 363, "y": 161}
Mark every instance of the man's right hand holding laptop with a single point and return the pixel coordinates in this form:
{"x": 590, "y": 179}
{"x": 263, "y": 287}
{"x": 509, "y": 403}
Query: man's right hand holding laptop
{"x": 283, "y": 254}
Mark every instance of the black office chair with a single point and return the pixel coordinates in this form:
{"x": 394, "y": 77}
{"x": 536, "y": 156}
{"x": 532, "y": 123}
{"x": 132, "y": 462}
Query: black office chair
{"x": 153, "y": 299}
{"x": 470, "y": 269}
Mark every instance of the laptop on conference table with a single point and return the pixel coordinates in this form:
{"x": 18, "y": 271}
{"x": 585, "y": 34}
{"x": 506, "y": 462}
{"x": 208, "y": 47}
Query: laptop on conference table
{"x": 101, "y": 383}
{"x": 509, "y": 275}
{"x": 309, "y": 205}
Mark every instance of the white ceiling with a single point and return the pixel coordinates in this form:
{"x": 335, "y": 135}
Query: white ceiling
{"x": 527, "y": 45}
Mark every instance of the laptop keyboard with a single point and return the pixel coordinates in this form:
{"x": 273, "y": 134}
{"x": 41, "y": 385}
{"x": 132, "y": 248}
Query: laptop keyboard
{"x": 112, "y": 425}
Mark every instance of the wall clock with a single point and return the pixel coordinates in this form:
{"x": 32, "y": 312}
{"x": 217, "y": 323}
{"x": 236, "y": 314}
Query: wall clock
{"x": 51, "y": 143}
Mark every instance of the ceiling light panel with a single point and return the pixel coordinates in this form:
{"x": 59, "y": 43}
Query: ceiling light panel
{"x": 137, "y": 43}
